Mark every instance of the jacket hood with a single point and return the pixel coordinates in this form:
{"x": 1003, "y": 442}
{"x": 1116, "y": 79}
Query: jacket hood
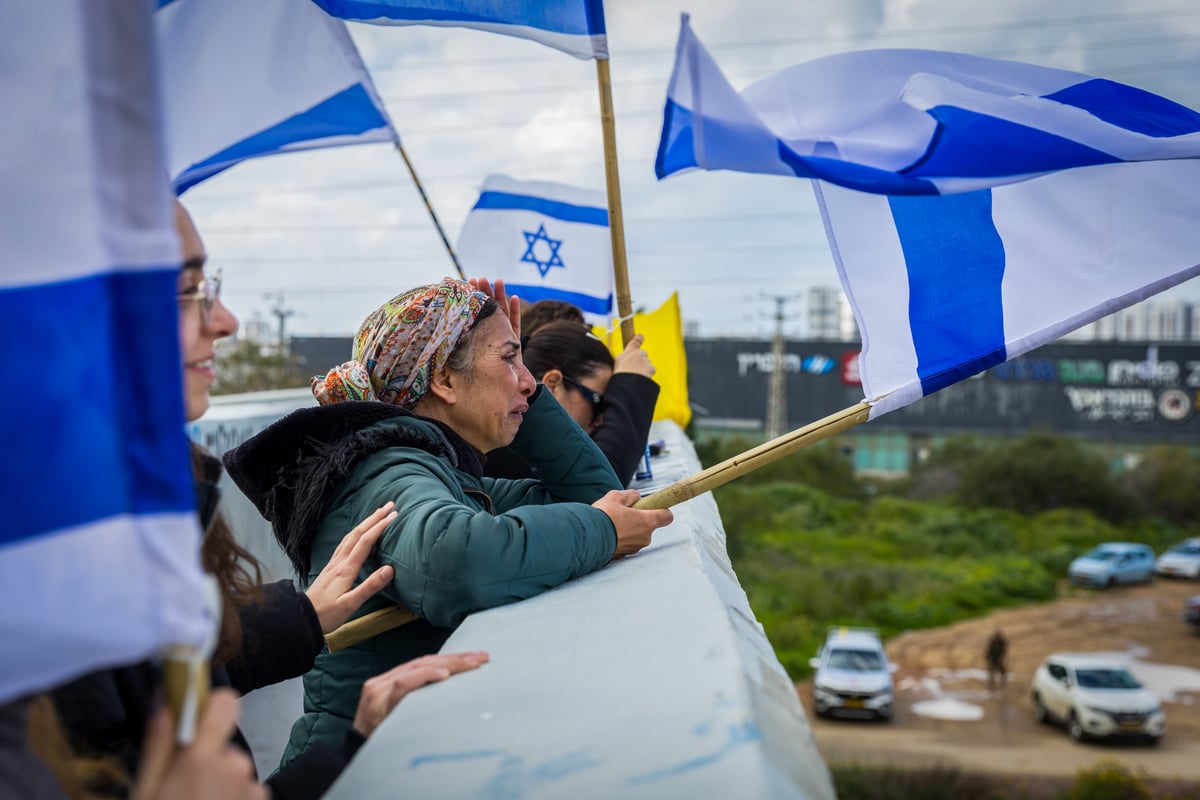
{"x": 291, "y": 469}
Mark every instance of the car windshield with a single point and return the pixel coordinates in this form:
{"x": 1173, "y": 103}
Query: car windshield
{"x": 1106, "y": 679}
{"x": 856, "y": 660}
{"x": 1100, "y": 554}
{"x": 1187, "y": 548}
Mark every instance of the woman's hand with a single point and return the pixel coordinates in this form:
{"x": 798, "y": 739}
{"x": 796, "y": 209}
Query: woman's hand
{"x": 510, "y": 306}
{"x": 381, "y": 693}
{"x": 210, "y": 768}
{"x": 634, "y": 525}
{"x": 333, "y": 594}
{"x": 634, "y": 359}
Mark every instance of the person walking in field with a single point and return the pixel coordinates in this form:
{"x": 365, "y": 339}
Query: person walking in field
{"x": 997, "y": 651}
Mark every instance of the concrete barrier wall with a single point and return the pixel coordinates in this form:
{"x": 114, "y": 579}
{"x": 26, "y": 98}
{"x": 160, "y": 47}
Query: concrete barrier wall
{"x": 650, "y": 678}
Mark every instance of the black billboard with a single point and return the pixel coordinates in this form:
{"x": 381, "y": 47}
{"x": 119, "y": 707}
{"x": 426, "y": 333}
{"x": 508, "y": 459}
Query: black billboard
{"x": 1102, "y": 390}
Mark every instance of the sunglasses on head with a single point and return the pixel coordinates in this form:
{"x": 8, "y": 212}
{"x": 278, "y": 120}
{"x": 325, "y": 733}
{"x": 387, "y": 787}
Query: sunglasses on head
{"x": 591, "y": 395}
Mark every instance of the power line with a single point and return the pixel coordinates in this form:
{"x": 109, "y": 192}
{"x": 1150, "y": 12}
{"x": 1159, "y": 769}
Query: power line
{"x": 384, "y": 227}
{"x": 657, "y": 252}
{"x": 619, "y": 53}
{"x": 441, "y": 97}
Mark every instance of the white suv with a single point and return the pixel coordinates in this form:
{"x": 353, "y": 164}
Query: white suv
{"x": 1095, "y": 696}
{"x": 853, "y": 675}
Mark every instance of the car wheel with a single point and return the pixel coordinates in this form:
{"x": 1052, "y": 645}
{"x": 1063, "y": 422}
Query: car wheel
{"x": 1111, "y": 582}
{"x": 1153, "y": 740}
{"x": 1075, "y": 728}
{"x": 1039, "y": 711}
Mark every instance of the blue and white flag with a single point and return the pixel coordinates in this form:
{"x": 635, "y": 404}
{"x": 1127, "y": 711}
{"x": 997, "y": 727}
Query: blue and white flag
{"x": 248, "y": 79}
{"x": 912, "y": 122}
{"x": 575, "y": 27}
{"x": 99, "y": 545}
{"x": 946, "y": 286}
{"x": 545, "y": 240}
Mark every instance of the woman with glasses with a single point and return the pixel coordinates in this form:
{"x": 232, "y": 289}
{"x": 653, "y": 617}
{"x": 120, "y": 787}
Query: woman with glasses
{"x": 612, "y": 400}
{"x": 436, "y": 381}
{"x": 267, "y": 633}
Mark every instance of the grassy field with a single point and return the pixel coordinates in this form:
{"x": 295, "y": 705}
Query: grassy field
{"x": 815, "y": 547}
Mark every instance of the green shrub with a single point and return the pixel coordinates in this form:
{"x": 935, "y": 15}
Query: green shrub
{"x": 863, "y": 782}
{"x": 1109, "y": 780}
{"x": 1164, "y": 484}
{"x": 1039, "y": 472}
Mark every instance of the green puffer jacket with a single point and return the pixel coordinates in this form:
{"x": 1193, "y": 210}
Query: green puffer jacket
{"x": 460, "y": 543}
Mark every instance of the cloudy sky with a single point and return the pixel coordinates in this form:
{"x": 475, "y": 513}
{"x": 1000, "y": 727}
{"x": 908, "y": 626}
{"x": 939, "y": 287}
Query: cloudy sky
{"x": 329, "y": 235}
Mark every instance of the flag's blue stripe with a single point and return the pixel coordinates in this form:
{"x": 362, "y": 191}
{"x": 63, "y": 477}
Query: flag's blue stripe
{"x": 852, "y": 175}
{"x": 350, "y": 111}
{"x": 676, "y": 148}
{"x": 505, "y": 201}
{"x": 1130, "y": 108}
{"x": 969, "y": 144}
{"x": 587, "y": 302}
{"x": 575, "y": 17}
{"x": 955, "y": 262}
{"x": 98, "y": 400}
{"x": 676, "y": 151}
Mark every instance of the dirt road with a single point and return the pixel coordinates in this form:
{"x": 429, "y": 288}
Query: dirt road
{"x": 940, "y": 683}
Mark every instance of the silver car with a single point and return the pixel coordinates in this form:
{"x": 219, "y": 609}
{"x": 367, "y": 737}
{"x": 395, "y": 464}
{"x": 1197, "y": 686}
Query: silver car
{"x": 1181, "y": 561}
{"x": 1095, "y": 697}
{"x": 854, "y": 677}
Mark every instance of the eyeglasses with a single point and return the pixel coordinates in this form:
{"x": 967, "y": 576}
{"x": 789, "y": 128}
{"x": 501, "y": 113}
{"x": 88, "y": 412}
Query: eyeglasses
{"x": 206, "y": 293}
{"x": 591, "y": 395}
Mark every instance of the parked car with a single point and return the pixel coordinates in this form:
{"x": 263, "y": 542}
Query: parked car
{"x": 1191, "y": 610}
{"x": 1181, "y": 561}
{"x": 1095, "y": 697}
{"x": 1112, "y": 563}
{"x": 853, "y": 677}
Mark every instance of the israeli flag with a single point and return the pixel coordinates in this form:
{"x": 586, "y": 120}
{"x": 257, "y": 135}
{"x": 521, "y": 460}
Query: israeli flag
{"x": 545, "y": 240}
{"x": 249, "y": 79}
{"x": 575, "y": 27}
{"x": 99, "y": 542}
{"x": 946, "y": 286}
{"x": 912, "y": 122}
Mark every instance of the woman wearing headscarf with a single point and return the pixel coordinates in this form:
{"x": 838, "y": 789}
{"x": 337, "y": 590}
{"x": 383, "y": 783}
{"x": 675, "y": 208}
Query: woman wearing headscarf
{"x": 435, "y": 382}
{"x": 613, "y": 400}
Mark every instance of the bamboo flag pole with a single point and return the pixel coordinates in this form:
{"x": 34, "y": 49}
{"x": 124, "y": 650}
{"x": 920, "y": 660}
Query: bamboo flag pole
{"x": 616, "y": 221}
{"x": 429, "y": 207}
{"x": 755, "y": 458}
{"x": 368, "y": 625}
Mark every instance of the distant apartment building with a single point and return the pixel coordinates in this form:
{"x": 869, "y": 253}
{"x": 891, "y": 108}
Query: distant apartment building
{"x": 829, "y": 315}
{"x": 1162, "y": 321}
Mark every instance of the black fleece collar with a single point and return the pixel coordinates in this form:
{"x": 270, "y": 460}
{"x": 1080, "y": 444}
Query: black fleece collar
{"x": 292, "y": 469}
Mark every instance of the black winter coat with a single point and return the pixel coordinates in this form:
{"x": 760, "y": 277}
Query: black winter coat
{"x": 621, "y": 435}
{"x": 105, "y": 713}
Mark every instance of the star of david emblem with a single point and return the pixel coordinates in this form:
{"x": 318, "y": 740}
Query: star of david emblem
{"x": 532, "y": 250}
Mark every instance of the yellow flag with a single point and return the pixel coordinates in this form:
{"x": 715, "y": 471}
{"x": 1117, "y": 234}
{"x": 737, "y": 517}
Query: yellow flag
{"x": 663, "y": 329}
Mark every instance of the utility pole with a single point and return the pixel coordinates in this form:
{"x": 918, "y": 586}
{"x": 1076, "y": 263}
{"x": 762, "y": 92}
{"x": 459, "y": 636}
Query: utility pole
{"x": 280, "y": 314}
{"x": 777, "y": 388}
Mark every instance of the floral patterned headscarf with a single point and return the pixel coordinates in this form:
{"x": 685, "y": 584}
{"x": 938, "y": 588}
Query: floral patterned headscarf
{"x": 402, "y": 343}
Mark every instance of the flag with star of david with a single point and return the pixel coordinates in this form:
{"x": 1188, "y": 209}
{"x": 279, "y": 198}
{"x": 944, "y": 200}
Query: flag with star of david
{"x": 545, "y": 240}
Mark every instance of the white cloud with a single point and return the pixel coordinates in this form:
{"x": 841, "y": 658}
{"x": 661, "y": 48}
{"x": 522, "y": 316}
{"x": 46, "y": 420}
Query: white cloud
{"x": 339, "y": 231}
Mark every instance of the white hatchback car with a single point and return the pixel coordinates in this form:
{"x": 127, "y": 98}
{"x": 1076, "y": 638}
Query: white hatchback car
{"x": 1181, "y": 561}
{"x": 1095, "y": 696}
{"x": 854, "y": 677}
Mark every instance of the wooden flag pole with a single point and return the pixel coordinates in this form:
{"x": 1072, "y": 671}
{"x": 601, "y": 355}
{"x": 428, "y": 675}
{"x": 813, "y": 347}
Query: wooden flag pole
{"x": 186, "y": 684}
{"x": 429, "y": 207}
{"x": 385, "y": 619}
{"x": 755, "y": 458}
{"x": 616, "y": 221}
